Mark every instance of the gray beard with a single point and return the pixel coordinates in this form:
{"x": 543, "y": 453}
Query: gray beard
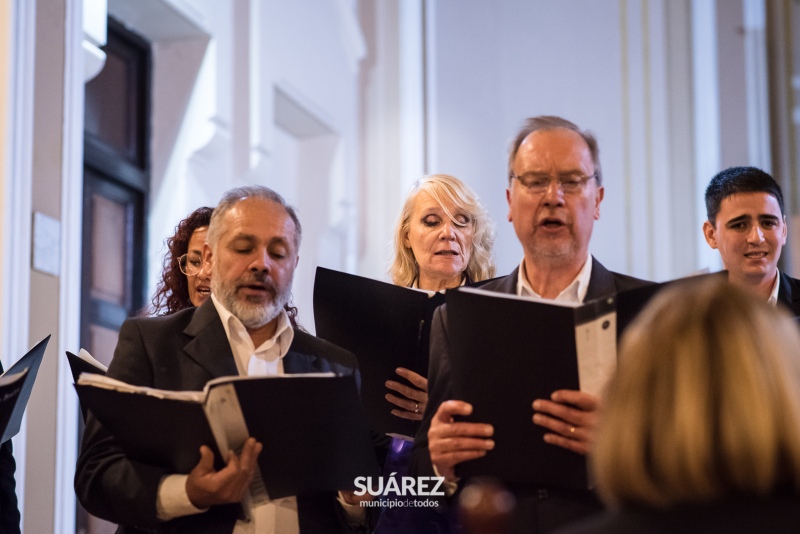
{"x": 252, "y": 314}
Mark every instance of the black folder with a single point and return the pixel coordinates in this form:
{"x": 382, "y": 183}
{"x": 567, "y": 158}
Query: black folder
{"x": 385, "y": 326}
{"x": 326, "y": 444}
{"x": 506, "y": 351}
{"x": 163, "y": 432}
{"x": 314, "y": 434}
{"x": 632, "y": 301}
{"x": 78, "y": 365}
{"x": 17, "y": 384}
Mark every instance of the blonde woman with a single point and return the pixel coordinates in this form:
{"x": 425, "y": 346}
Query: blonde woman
{"x": 701, "y": 428}
{"x": 443, "y": 239}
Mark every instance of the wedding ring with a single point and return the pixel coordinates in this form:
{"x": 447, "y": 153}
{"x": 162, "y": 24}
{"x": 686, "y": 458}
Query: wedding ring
{"x": 416, "y": 407}
{"x": 572, "y": 430}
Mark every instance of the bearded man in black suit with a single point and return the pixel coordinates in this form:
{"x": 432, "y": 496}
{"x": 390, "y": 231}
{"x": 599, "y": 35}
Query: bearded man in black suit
{"x": 554, "y": 195}
{"x": 252, "y": 250}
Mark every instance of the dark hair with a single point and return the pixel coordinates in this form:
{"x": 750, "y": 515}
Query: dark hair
{"x": 734, "y": 180}
{"x": 172, "y": 294}
{"x": 238, "y": 194}
{"x": 550, "y": 122}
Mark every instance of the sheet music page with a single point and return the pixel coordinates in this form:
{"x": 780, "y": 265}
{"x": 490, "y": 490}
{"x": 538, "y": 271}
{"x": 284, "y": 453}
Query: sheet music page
{"x": 102, "y": 381}
{"x": 230, "y": 431}
{"x": 84, "y": 355}
{"x": 596, "y": 343}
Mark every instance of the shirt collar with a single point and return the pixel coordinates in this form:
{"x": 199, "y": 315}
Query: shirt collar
{"x": 235, "y": 331}
{"x": 574, "y": 292}
{"x": 773, "y": 296}
{"x": 415, "y": 285}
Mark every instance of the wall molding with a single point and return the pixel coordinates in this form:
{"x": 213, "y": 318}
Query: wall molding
{"x": 706, "y": 113}
{"x": 70, "y": 280}
{"x": 17, "y": 209}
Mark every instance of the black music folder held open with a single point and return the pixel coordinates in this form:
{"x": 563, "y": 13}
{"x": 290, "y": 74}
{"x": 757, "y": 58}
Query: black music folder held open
{"x": 16, "y": 385}
{"x": 385, "y": 326}
{"x": 505, "y": 352}
{"x": 312, "y": 427}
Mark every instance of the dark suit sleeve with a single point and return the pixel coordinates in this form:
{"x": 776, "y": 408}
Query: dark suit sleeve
{"x": 107, "y": 483}
{"x": 9, "y": 511}
{"x": 439, "y": 390}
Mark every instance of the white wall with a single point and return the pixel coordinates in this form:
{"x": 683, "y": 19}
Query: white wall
{"x": 261, "y": 92}
{"x": 597, "y": 63}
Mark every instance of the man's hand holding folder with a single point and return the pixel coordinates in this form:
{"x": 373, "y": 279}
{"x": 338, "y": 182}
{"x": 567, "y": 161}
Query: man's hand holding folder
{"x": 571, "y": 416}
{"x": 451, "y": 442}
{"x": 206, "y": 487}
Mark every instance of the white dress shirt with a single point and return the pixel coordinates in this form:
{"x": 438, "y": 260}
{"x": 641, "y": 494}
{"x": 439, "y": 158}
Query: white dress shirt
{"x": 773, "y": 295}
{"x": 574, "y": 292}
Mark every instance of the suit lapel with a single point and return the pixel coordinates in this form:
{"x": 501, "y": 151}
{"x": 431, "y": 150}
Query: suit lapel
{"x": 209, "y": 346}
{"x": 296, "y": 360}
{"x": 789, "y": 294}
{"x": 601, "y": 283}
{"x": 502, "y": 284}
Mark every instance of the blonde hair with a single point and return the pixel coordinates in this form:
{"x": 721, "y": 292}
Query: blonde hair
{"x": 404, "y": 269}
{"x": 706, "y": 402}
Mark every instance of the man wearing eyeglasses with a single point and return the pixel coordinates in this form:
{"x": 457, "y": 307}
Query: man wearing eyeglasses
{"x": 554, "y": 195}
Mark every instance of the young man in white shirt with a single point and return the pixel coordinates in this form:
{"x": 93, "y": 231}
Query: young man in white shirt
{"x": 747, "y": 224}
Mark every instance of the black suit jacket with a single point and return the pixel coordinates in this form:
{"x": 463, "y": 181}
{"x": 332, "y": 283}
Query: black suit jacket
{"x": 538, "y": 509}
{"x": 789, "y": 293}
{"x": 9, "y": 511}
{"x": 183, "y": 351}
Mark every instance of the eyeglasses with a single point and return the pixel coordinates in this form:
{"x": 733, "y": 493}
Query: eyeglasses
{"x": 190, "y": 265}
{"x": 539, "y": 183}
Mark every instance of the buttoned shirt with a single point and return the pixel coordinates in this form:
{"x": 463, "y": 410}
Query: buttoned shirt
{"x": 574, "y": 292}
{"x": 773, "y": 295}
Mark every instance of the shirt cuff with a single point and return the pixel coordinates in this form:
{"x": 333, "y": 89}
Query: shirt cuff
{"x": 172, "y": 500}
{"x": 450, "y": 486}
{"x": 355, "y": 514}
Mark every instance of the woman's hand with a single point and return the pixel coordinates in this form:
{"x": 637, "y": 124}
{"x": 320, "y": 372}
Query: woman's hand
{"x": 413, "y": 400}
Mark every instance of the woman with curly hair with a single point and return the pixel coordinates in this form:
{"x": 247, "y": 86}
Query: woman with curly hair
{"x": 183, "y": 281}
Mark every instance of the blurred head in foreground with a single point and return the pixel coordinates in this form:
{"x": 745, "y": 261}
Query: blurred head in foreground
{"x": 705, "y": 404}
